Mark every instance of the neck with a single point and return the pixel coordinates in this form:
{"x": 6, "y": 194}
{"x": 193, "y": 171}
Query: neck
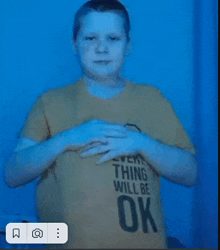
{"x": 118, "y": 82}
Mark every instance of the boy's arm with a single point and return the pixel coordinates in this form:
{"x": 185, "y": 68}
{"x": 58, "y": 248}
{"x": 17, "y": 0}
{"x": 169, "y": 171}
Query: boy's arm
{"x": 26, "y": 164}
{"x": 168, "y": 146}
{"x": 175, "y": 164}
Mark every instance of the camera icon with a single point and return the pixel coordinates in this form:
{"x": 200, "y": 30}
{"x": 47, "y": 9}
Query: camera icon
{"x": 37, "y": 233}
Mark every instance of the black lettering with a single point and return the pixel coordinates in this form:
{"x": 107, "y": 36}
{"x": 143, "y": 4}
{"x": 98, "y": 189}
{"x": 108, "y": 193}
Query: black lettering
{"x": 116, "y": 169}
{"x": 144, "y": 175}
{"x": 128, "y": 185}
{"x": 118, "y": 186}
{"x": 146, "y": 188}
{"x": 129, "y": 159}
{"x": 125, "y": 172}
{"x": 115, "y": 159}
{"x": 123, "y": 158}
{"x": 146, "y": 215}
{"x": 143, "y": 160}
{"x": 121, "y": 213}
{"x": 142, "y": 187}
{"x": 135, "y": 157}
{"x": 137, "y": 172}
{"x": 134, "y": 189}
{"x": 125, "y": 187}
{"x": 131, "y": 171}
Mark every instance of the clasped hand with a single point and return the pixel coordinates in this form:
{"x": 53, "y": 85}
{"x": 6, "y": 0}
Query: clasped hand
{"x": 113, "y": 139}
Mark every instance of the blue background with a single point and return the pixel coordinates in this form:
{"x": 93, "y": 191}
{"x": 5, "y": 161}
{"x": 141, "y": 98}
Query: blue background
{"x": 174, "y": 49}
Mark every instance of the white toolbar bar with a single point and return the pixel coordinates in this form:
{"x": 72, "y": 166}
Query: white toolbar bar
{"x": 37, "y": 233}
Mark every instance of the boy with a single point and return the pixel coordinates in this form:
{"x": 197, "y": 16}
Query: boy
{"x": 101, "y": 144}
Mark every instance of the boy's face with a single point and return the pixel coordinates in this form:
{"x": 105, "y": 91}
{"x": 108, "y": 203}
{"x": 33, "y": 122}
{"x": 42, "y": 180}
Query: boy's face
{"x": 102, "y": 37}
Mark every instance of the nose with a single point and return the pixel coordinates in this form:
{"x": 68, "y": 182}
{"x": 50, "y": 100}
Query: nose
{"x": 101, "y": 47}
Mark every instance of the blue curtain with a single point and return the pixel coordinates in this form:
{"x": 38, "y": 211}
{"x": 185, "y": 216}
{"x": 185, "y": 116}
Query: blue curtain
{"x": 206, "y": 121}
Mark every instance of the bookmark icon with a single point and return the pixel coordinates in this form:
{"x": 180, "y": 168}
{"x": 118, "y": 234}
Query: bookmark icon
{"x": 16, "y": 232}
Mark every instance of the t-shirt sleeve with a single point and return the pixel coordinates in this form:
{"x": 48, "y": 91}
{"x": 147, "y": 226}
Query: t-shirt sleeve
{"x": 36, "y": 126}
{"x": 168, "y": 127}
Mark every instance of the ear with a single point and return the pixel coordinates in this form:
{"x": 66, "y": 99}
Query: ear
{"x": 128, "y": 49}
{"x": 74, "y": 46}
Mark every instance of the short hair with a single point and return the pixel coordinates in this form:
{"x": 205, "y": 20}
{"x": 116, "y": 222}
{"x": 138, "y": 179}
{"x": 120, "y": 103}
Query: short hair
{"x": 101, "y": 6}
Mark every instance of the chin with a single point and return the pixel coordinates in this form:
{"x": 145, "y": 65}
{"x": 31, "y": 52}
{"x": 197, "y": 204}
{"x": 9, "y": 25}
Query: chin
{"x": 99, "y": 75}
{"x": 103, "y": 76}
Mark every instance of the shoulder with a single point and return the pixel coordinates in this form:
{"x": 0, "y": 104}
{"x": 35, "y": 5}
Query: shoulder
{"x": 147, "y": 91}
{"x": 59, "y": 94}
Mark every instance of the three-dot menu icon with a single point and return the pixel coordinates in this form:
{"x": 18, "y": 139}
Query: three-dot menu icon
{"x": 57, "y": 232}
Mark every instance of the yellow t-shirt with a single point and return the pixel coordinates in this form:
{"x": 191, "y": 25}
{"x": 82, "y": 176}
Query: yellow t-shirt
{"x": 116, "y": 204}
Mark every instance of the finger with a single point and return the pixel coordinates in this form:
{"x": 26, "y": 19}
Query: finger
{"x": 92, "y": 145}
{"x": 108, "y": 156}
{"x": 113, "y": 133}
{"x": 102, "y": 140}
{"x": 110, "y": 127}
{"x": 94, "y": 150}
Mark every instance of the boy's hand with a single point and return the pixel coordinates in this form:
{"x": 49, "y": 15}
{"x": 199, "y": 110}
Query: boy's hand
{"x": 93, "y": 131}
{"x": 130, "y": 144}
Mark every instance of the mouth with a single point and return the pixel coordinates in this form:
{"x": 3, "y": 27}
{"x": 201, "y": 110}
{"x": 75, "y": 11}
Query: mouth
{"x": 102, "y": 62}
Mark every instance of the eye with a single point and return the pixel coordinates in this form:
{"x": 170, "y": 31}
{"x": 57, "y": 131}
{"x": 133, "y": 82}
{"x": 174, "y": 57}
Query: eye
{"x": 89, "y": 38}
{"x": 114, "y": 38}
